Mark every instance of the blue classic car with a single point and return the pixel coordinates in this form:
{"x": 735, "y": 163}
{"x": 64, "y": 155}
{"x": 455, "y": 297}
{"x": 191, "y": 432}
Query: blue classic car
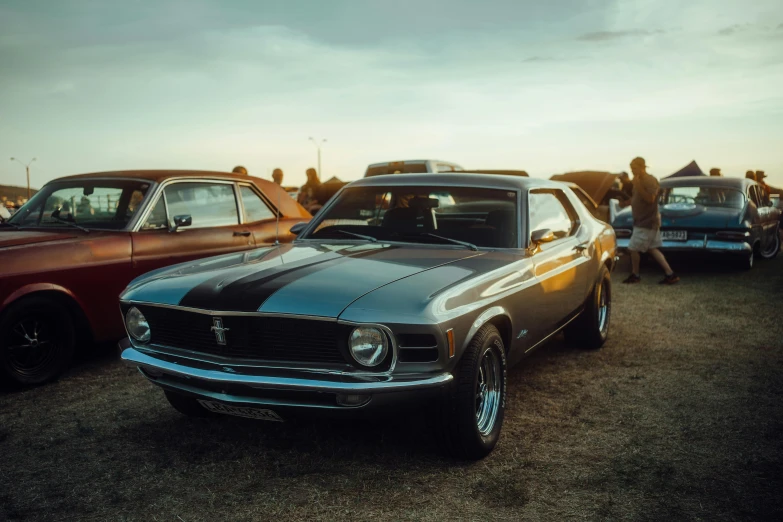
{"x": 730, "y": 216}
{"x": 421, "y": 288}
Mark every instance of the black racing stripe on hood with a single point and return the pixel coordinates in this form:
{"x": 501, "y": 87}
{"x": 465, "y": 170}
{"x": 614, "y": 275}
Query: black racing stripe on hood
{"x": 245, "y": 294}
{"x": 248, "y": 293}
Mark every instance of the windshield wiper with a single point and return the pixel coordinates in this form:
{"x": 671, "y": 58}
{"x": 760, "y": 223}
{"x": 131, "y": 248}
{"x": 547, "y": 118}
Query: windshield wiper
{"x": 354, "y": 234}
{"x": 69, "y": 223}
{"x": 455, "y": 241}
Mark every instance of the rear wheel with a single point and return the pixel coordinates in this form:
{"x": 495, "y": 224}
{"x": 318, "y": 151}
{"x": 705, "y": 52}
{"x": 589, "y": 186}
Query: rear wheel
{"x": 772, "y": 248}
{"x": 187, "y": 406}
{"x": 474, "y": 408}
{"x": 36, "y": 341}
{"x": 591, "y": 329}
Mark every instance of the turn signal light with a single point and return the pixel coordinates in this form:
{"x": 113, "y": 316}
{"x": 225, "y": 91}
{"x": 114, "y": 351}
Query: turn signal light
{"x": 450, "y": 337}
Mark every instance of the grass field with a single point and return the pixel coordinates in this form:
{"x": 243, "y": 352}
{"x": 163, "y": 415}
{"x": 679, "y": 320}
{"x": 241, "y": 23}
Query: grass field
{"x": 679, "y": 416}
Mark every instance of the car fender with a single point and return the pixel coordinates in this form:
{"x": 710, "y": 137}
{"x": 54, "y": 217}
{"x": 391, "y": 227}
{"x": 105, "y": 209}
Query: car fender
{"x": 43, "y": 287}
{"x": 483, "y": 318}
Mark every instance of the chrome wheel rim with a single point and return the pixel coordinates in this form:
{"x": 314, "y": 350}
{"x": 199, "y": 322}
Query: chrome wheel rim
{"x": 31, "y": 345}
{"x": 488, "y": 390}
{"x": 603, "y": 309}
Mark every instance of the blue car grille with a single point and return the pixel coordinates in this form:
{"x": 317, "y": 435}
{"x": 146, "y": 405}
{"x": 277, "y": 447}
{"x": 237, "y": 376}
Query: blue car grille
{"x": 248, "y": 337}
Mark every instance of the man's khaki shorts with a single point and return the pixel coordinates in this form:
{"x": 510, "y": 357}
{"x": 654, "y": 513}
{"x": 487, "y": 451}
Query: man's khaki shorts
{"x": 643, "y": 239}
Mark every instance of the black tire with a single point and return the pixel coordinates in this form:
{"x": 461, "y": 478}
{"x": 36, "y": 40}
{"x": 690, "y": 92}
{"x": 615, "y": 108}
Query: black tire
{"x": 471, "y": 424}
{"x": 37, "y": 339}
{"x": 591, "y": 329}
{"x": 771, "y": 253}
{"x": 746, "y": 262}
{"x": 187, "y": 406}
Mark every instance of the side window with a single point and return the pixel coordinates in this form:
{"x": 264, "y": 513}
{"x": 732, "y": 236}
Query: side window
{"x": 157, "y": 218}
{"x": 209, "y": 204}
{"x": 547, "y": 211}
{"x": 255, "y": 208}
{"x": 754, "y": 195}
{"x": 584, "y": 199}
{"x": 445, "y": 168}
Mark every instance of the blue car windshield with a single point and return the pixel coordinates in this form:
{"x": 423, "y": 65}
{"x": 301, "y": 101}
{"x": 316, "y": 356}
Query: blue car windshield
{"x": 722, "y": 197}
{"x": 479, "y": 216}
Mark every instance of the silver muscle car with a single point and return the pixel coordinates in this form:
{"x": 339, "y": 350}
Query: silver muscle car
{"x": 390, "y": 296}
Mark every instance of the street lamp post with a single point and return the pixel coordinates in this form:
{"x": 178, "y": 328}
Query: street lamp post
{"x": 318, "y": 146}
{"x": 27, "y": 169}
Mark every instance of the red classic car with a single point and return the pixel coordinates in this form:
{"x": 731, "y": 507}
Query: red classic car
{"x": 66, "y": 255}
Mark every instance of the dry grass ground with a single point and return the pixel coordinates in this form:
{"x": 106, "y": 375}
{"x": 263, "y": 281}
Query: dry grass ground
{"x": 678, "y": 417}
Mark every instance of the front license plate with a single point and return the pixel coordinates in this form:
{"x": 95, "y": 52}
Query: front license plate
{"x": 674, "y": 235}
{"x": 239, "y": 411}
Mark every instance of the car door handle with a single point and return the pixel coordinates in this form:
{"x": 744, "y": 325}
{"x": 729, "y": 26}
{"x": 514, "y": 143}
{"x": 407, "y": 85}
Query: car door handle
{"x": 580, "y": 248}
{"x": 245, "y": 233}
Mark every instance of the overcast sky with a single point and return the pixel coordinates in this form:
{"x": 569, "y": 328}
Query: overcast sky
{"x": 93, "y": 85}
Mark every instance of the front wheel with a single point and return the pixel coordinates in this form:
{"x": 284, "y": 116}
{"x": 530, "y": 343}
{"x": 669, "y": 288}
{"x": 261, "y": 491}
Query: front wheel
{"x": 36, "y": 341}
{"x": 591, "y": 329}
{"x": 474, "y": 408}
{"x": 746, "y": 261}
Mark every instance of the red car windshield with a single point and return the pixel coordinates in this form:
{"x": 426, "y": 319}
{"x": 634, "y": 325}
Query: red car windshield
{"x": 92, "y": 204}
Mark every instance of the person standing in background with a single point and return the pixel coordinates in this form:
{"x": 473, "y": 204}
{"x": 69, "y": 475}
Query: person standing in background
{"x": 308, "y": 194}
{"x": 750, "y": 175}
{"x": 760, "y": 177}
{"x": 239, "y": 169}
{"x": 646, "y": 235}
{"x": 715, "y": 172}
{"x": 277, "y": 176}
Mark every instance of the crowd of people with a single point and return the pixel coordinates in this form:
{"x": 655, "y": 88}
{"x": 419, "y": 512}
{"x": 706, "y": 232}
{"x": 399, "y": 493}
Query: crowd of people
{"x": 310, "y": 194}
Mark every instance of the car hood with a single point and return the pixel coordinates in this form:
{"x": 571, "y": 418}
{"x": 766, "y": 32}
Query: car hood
{"x": 10, "y": 237}
{"x": 691, "y": 216}
{"x": 315, "y": 280}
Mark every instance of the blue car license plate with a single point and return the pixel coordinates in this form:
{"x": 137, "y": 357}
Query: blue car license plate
{"x": 674, "y": 235}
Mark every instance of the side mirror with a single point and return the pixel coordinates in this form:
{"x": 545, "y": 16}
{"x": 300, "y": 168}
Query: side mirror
{"x": 184, "y": 220}
{"x": 298, "y": 227}
{"x": 544, "y": 235}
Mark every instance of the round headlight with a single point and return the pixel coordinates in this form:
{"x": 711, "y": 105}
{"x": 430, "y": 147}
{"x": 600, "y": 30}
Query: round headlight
{"x": 368, "y": 346}
{"x": 137, "y": 325}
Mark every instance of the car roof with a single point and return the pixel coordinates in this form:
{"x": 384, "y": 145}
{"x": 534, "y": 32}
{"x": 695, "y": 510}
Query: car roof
{"x": 708, "y": 181}
{"x": 387, "y": 163}
{"x": 159, "y": 175}
{"x": 453, "y": 179}
{"x": 288, "y": 206}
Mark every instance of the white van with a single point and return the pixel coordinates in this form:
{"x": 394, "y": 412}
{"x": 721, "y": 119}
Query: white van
{"x": 411, "y": 167}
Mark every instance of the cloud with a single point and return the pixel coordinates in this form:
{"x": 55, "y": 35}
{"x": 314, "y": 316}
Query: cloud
{"x": 603, "y": 36}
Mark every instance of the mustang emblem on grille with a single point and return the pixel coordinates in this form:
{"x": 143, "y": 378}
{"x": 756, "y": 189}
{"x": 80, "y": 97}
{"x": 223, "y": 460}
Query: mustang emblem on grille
{"x": 220, "y": 332}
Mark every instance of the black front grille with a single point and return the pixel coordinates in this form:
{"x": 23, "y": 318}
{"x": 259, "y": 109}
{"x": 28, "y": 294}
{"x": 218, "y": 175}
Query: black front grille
{"x": 248, "y": 337}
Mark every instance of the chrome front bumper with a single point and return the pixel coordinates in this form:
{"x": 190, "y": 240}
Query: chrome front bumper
{"x": 248, "y": 388}
{"x": 698, "y": 245}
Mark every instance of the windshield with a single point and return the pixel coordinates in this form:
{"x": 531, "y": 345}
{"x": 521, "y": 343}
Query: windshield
{"x": 478, "y": 216}
{"x": 96, "y": 204}
{"x": 396, "y": 168}
{"x": 705, "y": 196}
